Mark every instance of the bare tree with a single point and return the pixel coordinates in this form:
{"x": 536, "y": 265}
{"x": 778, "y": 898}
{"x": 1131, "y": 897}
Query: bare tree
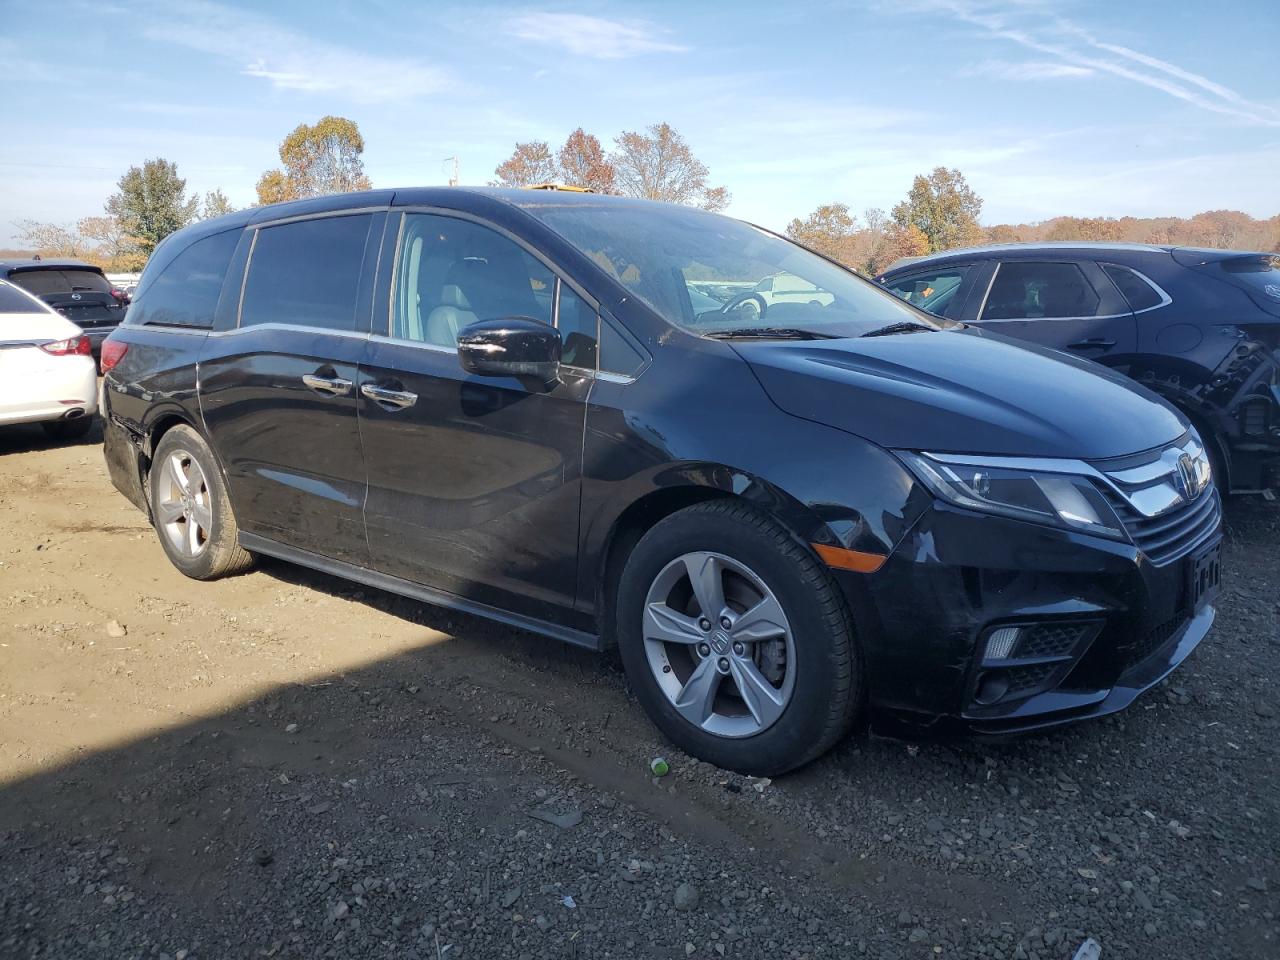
{"x": 52, "y": 239}
{"x": 659, "y": 165}
{"x": 114, "y": 245}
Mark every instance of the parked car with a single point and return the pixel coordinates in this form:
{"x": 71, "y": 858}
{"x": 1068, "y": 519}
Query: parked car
{"x": 77, "y": 290}
{"x": 47, "y": 375}
{"x": 787, "y": 521}
{"x": 1201, "y": 328}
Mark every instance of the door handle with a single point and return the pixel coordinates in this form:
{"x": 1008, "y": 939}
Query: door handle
{"x": 1093, "y": 343}
{"x": 330, "y": 386}
{"x": 399, "y": 399}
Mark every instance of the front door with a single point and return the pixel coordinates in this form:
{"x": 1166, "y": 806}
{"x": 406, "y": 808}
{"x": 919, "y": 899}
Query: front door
{"x": 1067, "y": 305}
{"x": 474, "y": 481}
{"x": 278, "y": 392}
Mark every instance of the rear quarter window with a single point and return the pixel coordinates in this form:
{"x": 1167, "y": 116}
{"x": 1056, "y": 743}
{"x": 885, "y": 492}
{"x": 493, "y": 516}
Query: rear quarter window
{"x": 1140, "y": 293}
{"x": 185, "y": 294}
{"x": 15, "y": 301}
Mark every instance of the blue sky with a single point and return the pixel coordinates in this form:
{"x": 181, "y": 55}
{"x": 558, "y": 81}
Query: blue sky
{"x": 1072, "y": 107}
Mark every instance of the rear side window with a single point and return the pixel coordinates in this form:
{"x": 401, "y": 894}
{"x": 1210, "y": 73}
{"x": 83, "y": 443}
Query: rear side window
{"x": 51, "y": 282}
{"x": 933, "y": 291}
{"x": 1032, "y": 290}
{"x": 15, "y": 301}
{"x": 186, "y": 292}
{"x": 306, "y": 273}
{"x": 1140, "y": 294}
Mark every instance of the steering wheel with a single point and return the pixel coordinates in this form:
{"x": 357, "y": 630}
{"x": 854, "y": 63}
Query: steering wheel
{"x": 742, "y": 298}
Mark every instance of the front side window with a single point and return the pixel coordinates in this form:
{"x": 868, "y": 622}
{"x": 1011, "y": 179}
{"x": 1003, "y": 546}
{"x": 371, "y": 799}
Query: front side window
{"x": 186, "y": 292}
{"x": 306, "y": 273}
{"x": 1030, "y": 290}
{"x": 454, "y": 272}
{"x": 934, "y": 290}
{"x": 713, "y": 275}
{"x": 579, "y": 329}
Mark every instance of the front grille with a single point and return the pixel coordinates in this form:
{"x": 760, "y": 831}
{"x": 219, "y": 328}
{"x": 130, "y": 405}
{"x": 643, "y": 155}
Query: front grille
{"x": 1172, "y": 534}
{"x": 1139, "y": 650}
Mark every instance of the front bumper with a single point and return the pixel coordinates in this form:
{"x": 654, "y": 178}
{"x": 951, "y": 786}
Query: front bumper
{"x": 924, "y": 619}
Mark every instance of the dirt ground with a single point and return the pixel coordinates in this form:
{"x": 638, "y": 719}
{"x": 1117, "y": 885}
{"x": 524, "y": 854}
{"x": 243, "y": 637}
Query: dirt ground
{"x": 285, "y": 764}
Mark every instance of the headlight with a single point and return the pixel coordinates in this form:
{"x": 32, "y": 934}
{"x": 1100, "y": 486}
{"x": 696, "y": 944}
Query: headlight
{"x": 1042, "y": 496}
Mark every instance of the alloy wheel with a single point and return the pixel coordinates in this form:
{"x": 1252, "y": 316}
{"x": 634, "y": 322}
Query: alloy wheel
{"x": 183, "y": 504}
{"x": 719, "y": 644}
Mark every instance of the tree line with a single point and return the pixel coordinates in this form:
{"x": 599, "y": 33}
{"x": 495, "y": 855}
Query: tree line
{"x": 939, "y": 212}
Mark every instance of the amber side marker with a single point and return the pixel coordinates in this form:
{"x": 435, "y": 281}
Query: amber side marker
{"x": 855, "y": 560}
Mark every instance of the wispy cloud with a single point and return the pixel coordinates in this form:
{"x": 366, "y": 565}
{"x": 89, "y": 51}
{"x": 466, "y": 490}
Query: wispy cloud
{"x": 1027, "y": 70}
{"x": 290, "y": 60}
{"x": 1065, "y": 44}
{"x": 595, "y": 37}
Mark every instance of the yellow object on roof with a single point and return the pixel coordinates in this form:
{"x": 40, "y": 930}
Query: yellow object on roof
{"x": 569, "y": 188}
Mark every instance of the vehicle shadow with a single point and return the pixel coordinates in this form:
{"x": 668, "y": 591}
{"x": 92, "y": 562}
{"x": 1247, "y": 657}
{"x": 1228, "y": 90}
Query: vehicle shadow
{"x": 26, "y": 437}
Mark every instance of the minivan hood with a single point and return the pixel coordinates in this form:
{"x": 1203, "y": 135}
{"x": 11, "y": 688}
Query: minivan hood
{"x": 963, "y": 391}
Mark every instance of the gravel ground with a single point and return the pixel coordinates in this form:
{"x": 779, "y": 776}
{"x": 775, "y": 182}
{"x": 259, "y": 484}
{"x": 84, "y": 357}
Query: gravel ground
{"x": 285, "y": 765}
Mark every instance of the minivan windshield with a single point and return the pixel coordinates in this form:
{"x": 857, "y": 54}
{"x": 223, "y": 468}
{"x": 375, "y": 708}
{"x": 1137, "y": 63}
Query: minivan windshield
{"x": 715, "y": 276}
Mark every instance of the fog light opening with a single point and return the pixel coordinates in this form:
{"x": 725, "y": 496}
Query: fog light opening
{"x": 991, "y": 688}
{"x": 1000, "y": 643}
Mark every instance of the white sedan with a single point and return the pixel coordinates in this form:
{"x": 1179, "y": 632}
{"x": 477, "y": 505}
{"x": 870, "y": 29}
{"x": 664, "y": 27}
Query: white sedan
{"x": 47, "y": 373}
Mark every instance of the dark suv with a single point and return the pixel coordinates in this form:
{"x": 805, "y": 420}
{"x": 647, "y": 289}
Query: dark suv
{"x": 1201, "y": 328}
{"x": 77, "y": 290}
{"x": 786, "y": 515}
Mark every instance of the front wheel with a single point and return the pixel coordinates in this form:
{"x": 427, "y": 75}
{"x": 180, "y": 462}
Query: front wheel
{"x": 736, "y": 640}
{"x": 190, "y": 509}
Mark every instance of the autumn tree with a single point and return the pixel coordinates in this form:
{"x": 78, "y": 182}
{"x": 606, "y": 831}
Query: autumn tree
{"x": 1091, "y": 229}
{"x": 150, "y": 204}
{"x": 831, "y": 230}
{"x": 113, "y": 245}
{"x": 316, "y": 160}
{"x": 659, "y": 165}
{"x": 583, "y": 163}
{"x": 215, "y": 205}
{"x": 531, "y": 163}
{"x": 942, "y": 206}
{"x": 899, "y": 241}
{"x": 52, "y": 239}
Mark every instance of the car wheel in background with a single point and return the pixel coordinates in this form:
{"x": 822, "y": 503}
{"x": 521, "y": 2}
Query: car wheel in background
{"x": 736, "y": 640}
{"x": 190, "y": 510}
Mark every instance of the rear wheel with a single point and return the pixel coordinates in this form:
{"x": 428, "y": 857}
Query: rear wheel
{"x": 68, "y": 429}
{"x": 736, "y": 640}
{"x": 190, "y": 509}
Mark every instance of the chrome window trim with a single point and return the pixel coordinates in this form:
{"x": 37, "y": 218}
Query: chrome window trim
{"x": 990, "y": 283}
{"x": 299, "y": 327}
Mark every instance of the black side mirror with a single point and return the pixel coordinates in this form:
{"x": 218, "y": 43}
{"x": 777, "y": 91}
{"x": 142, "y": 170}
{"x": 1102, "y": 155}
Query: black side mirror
{"x": 511, "y": 347}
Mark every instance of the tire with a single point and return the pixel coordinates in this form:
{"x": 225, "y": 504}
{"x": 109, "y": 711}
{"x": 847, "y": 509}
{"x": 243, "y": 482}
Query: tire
{"x": 190, "y": 509}
{"x": 67, "y": 429}
{"x": 814, "y": 696}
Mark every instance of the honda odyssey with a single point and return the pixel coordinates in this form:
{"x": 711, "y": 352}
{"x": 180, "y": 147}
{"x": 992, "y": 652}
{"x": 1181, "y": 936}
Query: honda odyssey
{"x": 788, "y": 515}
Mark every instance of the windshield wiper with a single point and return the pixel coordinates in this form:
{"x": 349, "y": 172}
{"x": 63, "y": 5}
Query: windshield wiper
{"x": 902, "y": 326}
{"x": 767, "y": 333}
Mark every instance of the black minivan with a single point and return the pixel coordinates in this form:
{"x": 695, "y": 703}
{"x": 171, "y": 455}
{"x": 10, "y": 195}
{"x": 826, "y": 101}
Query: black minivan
{"x": 788, "y": 516}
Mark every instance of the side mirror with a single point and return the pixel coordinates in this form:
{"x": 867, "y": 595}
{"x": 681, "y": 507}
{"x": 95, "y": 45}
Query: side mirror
{"x": 510, "y": 347}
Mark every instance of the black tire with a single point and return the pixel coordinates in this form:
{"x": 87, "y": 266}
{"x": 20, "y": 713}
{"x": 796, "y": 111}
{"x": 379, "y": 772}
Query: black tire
{"x": 221, "y": 554}
{"x": 828, "y": 680}
{"x": 68, "y": 429}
